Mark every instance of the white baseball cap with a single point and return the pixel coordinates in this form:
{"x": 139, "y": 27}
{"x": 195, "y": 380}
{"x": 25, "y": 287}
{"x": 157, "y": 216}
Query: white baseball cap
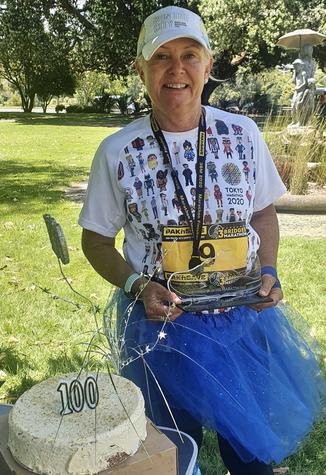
{"x": 168, "y": 24}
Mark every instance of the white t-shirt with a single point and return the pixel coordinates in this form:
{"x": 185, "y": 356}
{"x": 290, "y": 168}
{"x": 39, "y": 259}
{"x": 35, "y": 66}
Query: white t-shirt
{"x": 130, "y": 185}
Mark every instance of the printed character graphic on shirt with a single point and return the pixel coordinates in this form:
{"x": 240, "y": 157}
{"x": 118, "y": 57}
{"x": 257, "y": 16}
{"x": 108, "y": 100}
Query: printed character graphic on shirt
{"x": 152, "y": 161}
{"x": 246, "y": 170}
{"x": 133, "y": 210}
{"x": 240, "y": 148}
{"x": 219, "y": 215}
{"x": 159, "y": 252}
{"x": 252, "y": 256}
{"x": 147, "y": 251}
{"x": 249, "y": 195}
{"x": 251, "y": 148}
{"x": 154, "y": 207}
{"x": 231, "y": 216}
{"x": 221, "y": 127}
{"x": 121, "y": 171}
{"x": 164, "y": 203}
{"x": 218, "y": 196}
{"x": 144, "y": 209}
{"x": 148, "y": 184}
{"x": 189, "y": 153}
{"x": 138, "y": 144}
{"x": 176, "y": 203}
{"x": 193, "y": 195}
{"x": 131, "y": 164}
{"x": 211, "y": 167}
{"x": 150, "y": 233}
{"x": 128, "y": 194}
{"x": 227, "y": 149}
{"x": 151, "y": 141}
{"x": 156, "y": 256}
{"x": 154, "y": 252}
{"x": 187, "y": 172}
{"x": 213, "y": 146}
{"x": 141, "y": 162}
{"x": 237, "y": 129}
{"x": 176, "y": 152}
{"x": 161, "y": 179}
{"x": 206, "y": 196}
{"x": 165, "y": 159}
{"x": 138, "y": 185}
{"x": 207, "y": 217}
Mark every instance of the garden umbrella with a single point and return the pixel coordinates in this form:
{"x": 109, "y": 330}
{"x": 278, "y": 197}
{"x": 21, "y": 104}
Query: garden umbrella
{"x": 295, "y": 39}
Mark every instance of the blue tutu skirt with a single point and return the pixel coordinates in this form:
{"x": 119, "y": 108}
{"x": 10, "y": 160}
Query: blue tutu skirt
{"x": 250, "y": 376}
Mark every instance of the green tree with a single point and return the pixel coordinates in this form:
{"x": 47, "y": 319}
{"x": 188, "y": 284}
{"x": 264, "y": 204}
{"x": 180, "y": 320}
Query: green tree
{"x": 246, "y": 32}
{"x": 33, "y": 49}
{"x": 123, "y": 102}
{"x": 242, "y": 32}
{"x": 89, "y": 85}
{"x": 55, "y": 82}
{"x": 136, "y": 91}
{"x": 109, "y": 44}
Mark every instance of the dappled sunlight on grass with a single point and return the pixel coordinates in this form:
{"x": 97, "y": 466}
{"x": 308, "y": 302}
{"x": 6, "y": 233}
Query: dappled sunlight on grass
{"x": 38, "y": 165}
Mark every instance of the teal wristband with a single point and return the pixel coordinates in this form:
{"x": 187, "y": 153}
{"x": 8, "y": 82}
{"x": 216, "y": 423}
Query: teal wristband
{"x": 130, "y": 282}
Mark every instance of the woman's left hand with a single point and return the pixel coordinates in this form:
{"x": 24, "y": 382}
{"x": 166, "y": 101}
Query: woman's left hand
{"x": 267, "y": 290}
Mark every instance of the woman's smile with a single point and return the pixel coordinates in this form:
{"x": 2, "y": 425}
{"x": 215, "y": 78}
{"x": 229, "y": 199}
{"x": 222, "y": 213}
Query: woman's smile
{"x": 176, "y": 86}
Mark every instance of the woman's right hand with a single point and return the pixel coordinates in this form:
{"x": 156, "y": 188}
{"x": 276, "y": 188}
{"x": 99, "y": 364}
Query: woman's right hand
{"x": 159, "y": 302}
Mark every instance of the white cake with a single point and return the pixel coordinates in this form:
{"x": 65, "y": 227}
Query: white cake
{"x": 79, "y": 443}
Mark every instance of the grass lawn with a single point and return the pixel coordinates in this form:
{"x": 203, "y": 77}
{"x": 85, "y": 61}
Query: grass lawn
{"x": 40, "y": 336}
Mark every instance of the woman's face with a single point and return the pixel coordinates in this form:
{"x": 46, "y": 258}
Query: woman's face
{"x": 175, "y": 75}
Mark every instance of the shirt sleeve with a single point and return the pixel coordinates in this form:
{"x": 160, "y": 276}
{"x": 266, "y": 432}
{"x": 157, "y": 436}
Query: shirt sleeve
{"x": 269, "y": 186}
{"x": 104, "y": 208}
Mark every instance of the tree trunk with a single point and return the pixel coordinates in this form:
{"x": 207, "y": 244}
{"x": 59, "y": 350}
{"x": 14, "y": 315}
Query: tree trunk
{"x": 27, "y": 101}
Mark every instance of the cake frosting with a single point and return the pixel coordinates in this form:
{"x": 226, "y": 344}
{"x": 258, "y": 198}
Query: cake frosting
{"x": 80, "y": 443}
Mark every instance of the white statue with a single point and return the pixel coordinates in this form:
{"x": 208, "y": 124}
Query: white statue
{"x": 304, "y": 91}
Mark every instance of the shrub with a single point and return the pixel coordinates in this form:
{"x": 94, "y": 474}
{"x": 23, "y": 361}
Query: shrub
{"x": 123, "y": 102}
{"x": 294, "y": 151}
{"x": 59, "y": 108}
{"x": 14, "y": 100}
{"x": 138, "y": 107}
{"x": 104, "y": 103}
{"x": 76, "y": 109}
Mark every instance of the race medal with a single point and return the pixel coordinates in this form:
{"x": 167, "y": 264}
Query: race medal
{"x": 195, "y": 261}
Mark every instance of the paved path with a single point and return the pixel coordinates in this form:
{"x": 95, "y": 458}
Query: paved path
{"x": 308, "y": 225}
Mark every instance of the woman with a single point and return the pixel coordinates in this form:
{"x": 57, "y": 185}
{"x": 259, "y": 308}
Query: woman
{"x": 220, "y": 368}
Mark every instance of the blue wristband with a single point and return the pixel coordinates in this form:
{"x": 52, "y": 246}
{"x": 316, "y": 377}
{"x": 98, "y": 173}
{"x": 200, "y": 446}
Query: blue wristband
{"x": 271, "y": 271}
